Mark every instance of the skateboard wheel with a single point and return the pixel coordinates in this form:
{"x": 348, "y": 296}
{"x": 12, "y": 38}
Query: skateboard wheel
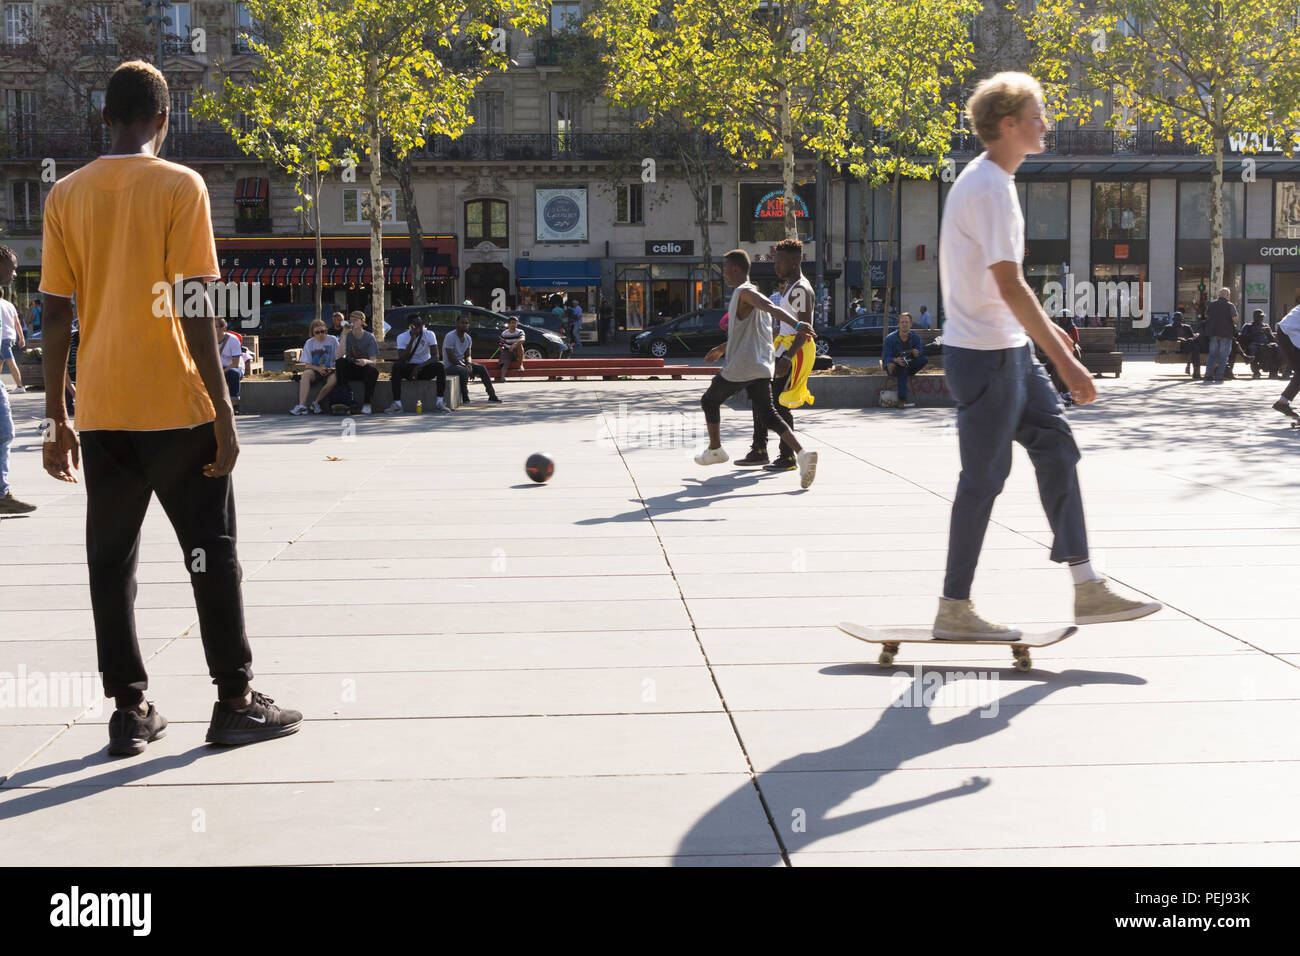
{"x": 885, "y": 658}
{"x": 1023, "y": 663}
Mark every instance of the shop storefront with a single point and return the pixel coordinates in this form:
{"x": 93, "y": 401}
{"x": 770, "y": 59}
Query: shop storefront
{"x": 286, "y": 269}
{"x": 1262, "y": 274}
{"x": 873, "y": 296}
{"x": 669, "y": 281}
{"x": 544, "y": 284}
{"x": 1046, "y": 260}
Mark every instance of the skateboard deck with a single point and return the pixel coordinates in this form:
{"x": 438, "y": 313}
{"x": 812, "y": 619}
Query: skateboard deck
{"x": 891, "y": 637}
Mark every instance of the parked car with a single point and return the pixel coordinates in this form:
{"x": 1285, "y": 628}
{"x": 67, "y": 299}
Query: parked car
{"x": 864, "y": 333}
{"x": 284, "y": 326}
{"x": 484, "y": 329}
{"x": 535, "y": 318}
{"x": 693, "y": 332}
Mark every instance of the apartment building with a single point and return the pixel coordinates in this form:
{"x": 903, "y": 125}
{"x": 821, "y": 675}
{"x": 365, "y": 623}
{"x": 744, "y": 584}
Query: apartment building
{"x": 539, "y": 198}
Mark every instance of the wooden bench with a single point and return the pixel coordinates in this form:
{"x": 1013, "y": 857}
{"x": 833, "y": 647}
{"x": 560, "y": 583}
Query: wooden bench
{"x": 254, "y": 366}
{"x": 1099, "y": 352}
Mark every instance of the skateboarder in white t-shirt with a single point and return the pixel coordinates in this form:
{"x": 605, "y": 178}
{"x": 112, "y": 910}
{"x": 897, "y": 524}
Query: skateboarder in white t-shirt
{"x": 1003, "y": 394}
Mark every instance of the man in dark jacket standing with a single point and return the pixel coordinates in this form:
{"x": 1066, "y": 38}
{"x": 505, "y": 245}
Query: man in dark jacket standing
{"x": 1221, "y": 329}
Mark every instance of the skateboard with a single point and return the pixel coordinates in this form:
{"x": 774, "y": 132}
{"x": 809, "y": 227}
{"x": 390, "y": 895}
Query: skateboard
{"x": 891, "y": 637}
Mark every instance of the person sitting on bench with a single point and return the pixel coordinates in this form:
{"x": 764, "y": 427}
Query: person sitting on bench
{"x": 902, "y": 357}
{"x": 457, "y": 354}
{"x": 1189, "y": 341}
{"x": 318, "y": 354}
{"x": 356, "y": 362}
{"x": 1261, "y": 345}
{"x": 512, "y": 346}
{"x": 416, "y": 348}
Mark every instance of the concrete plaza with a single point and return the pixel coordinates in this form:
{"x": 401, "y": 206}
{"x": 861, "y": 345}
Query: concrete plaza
{"x": 638, "y": 663}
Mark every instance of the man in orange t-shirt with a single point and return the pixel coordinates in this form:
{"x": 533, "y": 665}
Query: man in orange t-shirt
{"x": 153, "y": 412}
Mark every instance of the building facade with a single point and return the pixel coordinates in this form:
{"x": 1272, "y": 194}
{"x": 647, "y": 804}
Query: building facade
{"x": 544, "y": 194}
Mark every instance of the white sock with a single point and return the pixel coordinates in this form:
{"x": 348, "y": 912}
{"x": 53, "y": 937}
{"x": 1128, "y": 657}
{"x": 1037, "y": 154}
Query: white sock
{"x": 1082, "y": 572}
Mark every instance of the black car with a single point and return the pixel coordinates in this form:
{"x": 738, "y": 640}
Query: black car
{"x": 537, "y": 319}
{"x": 864, "y": 333}
{"x": 284, "y": 325}
{"x": 693, "y": 332}
{"x": 484, "y": 329}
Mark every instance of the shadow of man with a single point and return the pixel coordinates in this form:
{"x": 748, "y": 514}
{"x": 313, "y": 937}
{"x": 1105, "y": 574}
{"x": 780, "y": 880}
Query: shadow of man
{"x": 903, "y": 732}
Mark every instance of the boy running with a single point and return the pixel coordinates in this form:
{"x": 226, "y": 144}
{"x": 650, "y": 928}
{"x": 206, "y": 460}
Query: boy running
{"x": 749, "y": 366}
{"x": 1002, "y": 391}
{"x": 114, "y": 229}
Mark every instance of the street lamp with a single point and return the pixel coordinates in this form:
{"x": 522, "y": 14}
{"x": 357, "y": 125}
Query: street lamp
{"x": 155, "y": 17}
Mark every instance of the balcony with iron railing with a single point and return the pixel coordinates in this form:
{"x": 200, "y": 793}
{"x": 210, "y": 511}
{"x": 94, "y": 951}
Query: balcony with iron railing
{"x": 1094, "y": 142}
{"x": 200, "y": 141}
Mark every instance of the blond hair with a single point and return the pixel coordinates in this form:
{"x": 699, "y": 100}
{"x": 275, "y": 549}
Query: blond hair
{"x": 996, "y": 98}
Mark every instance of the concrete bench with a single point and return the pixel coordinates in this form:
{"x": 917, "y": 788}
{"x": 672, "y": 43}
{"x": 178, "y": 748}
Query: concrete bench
{"x": 262, "y": 397}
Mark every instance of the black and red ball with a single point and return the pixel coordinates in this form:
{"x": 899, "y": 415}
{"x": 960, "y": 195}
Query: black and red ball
{"x": 539, "y": 467}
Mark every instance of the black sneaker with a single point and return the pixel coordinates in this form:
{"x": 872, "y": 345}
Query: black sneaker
{"x": 129, "y": 731}
{"x": 261, "y": 720}
{"x": 495, "y": 400}
{"x": 754, "y": 458}
{"x": 1283, "y": 406}
{"x": 9, "y": 505}
{"x": 782, "y": 464}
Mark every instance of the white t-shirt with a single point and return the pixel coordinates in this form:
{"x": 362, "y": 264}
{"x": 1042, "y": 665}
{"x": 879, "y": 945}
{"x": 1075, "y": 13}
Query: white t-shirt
{"x": 423, "y": 351}
{"x": 1290, "y": 326}
{"x": 455, "y": 347}
{"x": 232, "y": 353}
{"x": 8, "y": 321}
{"x": 320, "y": 354}
{"x": 982, "y": 225}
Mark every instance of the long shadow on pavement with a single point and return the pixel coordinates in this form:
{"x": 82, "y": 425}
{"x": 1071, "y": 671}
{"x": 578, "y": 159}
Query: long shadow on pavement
{"x": 902, "y": 733}
{"x": 698, "y": 493}
{"x": 16, "y": 802}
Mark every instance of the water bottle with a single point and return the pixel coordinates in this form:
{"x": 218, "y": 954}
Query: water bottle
{"x": 419, "y": 406}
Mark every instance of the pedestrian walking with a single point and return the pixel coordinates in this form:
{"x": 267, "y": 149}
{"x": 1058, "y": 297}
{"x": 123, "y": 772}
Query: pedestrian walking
{"x": 1002, "y": 392}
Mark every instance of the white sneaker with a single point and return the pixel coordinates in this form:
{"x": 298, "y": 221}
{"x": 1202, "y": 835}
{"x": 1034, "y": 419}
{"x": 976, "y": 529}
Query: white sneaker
{"x": 20, "y": 389}
{"x": 315, "y": 408}
{"x": 393, "y": 408}
{"x": 712, "y": 456}
{"x": 366, "y": 409}
{"x": 442, "y": 409}
{"x": 807, "y": 467}
{"x": 298, "y": 410}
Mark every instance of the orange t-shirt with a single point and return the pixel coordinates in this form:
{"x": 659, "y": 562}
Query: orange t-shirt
{"x": 113, "y": 230}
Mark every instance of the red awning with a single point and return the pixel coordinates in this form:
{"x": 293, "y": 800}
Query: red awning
{"x": 251, "y": 191}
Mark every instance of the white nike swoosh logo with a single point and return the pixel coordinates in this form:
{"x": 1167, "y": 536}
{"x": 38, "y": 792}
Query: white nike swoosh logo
{"x": 260, "y": 720}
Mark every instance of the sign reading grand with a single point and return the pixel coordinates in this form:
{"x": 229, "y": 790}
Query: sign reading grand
{"x": 562, "y": 215}
{"x": 762, "y": 211}
{"x": 670, "y": 247}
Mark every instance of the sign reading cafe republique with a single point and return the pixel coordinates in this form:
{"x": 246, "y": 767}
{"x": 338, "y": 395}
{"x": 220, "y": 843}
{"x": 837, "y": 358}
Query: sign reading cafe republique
{"x": 562, "y": 215}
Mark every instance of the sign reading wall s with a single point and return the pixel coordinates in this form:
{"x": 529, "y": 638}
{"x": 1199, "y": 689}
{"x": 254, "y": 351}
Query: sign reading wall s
{"x": 562, "y": 215}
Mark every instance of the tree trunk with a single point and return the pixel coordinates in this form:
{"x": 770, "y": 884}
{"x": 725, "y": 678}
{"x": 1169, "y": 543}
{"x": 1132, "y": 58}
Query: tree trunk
{"x": 317, "y": 182}
{"x": 787, "y": 164}
{"x": 864, "y": 244}
{"x": 1216, "y": 221}
{"x": 697, "y": 180}
{"x": 376, "y": 234}
{"x": 402, "y": 171}
{"x": 889, "y": 255}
